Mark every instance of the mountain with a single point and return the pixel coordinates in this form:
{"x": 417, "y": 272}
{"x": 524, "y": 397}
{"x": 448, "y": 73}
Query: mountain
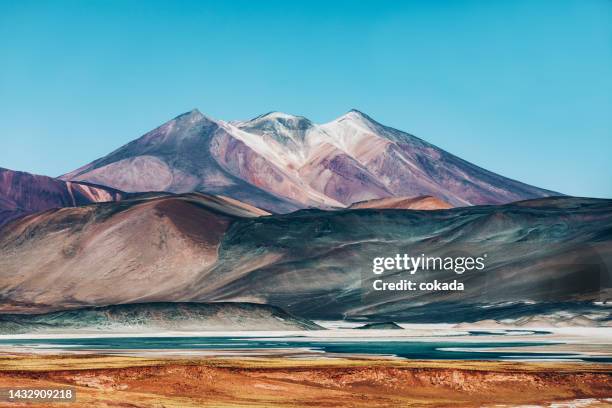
{"x": 282, "y": 162}
{"x": 156, "y": 317}
{"x": 564, "y": 315}
{"x": 24, "y": 193}
{"x": 543, "y": 255}
{"x": 153, "y": 246}
{"x": 406, "y": 203}
{"x": 380, "y": 326}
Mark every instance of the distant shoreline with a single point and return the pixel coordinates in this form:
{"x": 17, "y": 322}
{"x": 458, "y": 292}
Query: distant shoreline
{"x": 413, "y": 342}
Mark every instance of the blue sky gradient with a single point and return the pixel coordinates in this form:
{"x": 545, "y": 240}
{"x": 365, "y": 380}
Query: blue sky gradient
{"x": 522, "y": 88}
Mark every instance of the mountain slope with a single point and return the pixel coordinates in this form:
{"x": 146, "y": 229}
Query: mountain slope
{"x": 313, "y": 263}
{"x": 406, "y": 203}
{"x": 282, "y": 162}
{"x": 319, "y": 264}
{"x": 153, "y": 247}
{"x": 411, "y": 167}
{"x": 156, "y": 317}
{"x": 24, "y": 193}
{"x": 189, "y": 153}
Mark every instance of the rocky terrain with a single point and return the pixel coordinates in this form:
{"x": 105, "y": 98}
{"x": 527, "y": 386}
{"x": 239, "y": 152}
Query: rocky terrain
{"x": 282, "y": 162}
{"x": 24, "y": 193}
{"x": 563, "y": 315}
{"x": 155, "y": 318}
{"x": 405, "y": 203}
{"x": 148, "y": 249}
{"x": 544, "y": 256}
{"x": 114, "y": 381}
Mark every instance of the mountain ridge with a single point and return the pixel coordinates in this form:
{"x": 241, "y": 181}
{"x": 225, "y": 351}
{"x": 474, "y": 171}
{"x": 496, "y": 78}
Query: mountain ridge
{"x": 23, "y": 193}
{"x": 313, "y": 263}
{"x": 281, "y": 162}
{"x": 156, "y": 317}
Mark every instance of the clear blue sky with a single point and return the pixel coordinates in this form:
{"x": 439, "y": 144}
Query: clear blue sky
{"x": 523, "y": 88}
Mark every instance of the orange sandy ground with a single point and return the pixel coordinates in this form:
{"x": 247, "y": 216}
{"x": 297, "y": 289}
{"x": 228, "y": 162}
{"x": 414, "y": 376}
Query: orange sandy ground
{"x": 117, "y": 381}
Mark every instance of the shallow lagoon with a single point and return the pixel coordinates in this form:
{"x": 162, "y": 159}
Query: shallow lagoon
{"x": 403, "y": 348}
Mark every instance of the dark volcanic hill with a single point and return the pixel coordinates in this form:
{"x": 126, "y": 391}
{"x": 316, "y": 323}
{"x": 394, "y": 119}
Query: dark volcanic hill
{"x": 156, "y": 317}
{"x": 380, "y": 326}
{"x": 550, "y": 254}
{"x": 24, "y": 193}
{"x": 282, "y": 162}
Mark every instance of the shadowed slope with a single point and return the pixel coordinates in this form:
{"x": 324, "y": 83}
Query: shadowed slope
{"x": 320, "y": 263}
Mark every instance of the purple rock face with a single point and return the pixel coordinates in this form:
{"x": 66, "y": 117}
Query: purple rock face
{"x": 24, "y": 193}
{"x": 281, "y": 163}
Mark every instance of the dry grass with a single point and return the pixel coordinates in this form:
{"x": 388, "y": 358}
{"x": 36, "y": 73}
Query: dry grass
{"x": 117, "y": 381}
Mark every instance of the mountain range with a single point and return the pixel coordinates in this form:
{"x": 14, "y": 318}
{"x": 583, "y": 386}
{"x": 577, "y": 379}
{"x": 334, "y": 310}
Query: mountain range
{"x": 312, "y": 263}
{"x": 281, "y": 211}
{"x": 281, "y": 163}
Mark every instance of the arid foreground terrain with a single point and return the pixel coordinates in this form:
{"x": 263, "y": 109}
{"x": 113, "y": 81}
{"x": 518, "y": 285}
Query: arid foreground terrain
{"x": 117, "y": 381}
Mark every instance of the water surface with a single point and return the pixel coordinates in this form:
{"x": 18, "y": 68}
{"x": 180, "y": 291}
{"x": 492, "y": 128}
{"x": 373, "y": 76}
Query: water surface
{"x": 410, "y": 349}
